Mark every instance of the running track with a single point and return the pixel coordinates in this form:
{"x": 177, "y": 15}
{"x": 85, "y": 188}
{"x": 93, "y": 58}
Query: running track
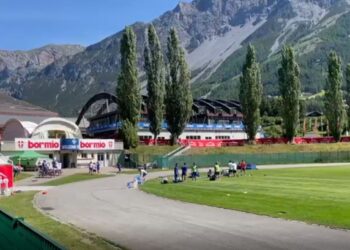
{"x": 138, "y": 220}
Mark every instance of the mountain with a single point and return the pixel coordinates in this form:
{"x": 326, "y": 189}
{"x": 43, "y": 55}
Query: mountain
{"x": 215, "y": 34}
{"x": 17, "y": 67}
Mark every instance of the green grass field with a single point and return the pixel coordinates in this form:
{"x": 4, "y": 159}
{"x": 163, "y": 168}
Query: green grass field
{"x": 274, "y": 148}
{"x": 22, "y": 176}
{"x": 70, "y": 237}
{"x": 74, "y": 178}
{"x": 313, "y": 195}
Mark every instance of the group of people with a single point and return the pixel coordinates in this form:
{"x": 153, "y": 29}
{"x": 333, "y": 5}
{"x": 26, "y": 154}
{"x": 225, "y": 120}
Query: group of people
{"x": 47, "y": 169}
{"x": 184, "y": 169}
{"x": 232, "y": 170}
{"x": 212, "y": 174}
{"x": 94, "y": 167}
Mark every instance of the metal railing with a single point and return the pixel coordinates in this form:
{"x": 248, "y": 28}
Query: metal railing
{"x": 16, "y": 234}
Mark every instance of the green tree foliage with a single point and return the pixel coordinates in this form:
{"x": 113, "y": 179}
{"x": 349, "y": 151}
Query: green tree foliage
{"x": 128, "y": 89}
{"x": 154, "y": 67}
{"x": 178, "y": 98}
{"x": 333, "y": 96}
{"x": 270, "y": 106}
{"x": 289, "y": 85}
{"x": 250, "y": 94}
{"x": 347, "y": 77}
{"x": 129, "y": 132}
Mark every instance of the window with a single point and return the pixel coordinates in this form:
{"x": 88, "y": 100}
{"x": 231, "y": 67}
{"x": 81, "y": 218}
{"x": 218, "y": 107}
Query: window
{"x": 222, "y": 137}
{"x": 193, "y": 137}
{"x": 208, "y": 137}
{"x": 83, "y": 155}
{"x": 100, "y": 157}
{"x": 107, "y": 157}
{"x": 145, "y": 137}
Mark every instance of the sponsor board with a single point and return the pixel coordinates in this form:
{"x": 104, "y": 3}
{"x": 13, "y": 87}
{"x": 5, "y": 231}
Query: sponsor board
{"x": 95, "y": 144}
{"x": 69, "y": 144}
{"x": 26, "y": 144}
{"x": 6, "y": 176}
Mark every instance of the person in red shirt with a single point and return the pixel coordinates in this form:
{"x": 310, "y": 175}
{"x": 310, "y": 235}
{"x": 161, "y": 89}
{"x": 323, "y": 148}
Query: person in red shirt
{"x": 243, "y": 167}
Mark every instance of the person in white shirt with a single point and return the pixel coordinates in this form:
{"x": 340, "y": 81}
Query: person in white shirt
{"x": 232, "y": 168}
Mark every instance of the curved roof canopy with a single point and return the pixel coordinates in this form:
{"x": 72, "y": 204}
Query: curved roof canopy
{"x": 56, "y": 128}
{"x": 15, "y": 128}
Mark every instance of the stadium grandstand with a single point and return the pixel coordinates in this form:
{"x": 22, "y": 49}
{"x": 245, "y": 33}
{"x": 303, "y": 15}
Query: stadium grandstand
{"x": 210, "y": 119}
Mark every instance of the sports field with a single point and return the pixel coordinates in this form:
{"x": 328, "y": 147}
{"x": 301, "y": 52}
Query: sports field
{"x": 313, "y": 195}
{"x": 270, "y": 149}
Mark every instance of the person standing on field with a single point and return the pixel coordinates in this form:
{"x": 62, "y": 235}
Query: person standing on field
{"x": 176, "y": 173}
{"x": 184, "y": 172}
{"x": 217, "y": 169}
{"x": 194, "y": 171}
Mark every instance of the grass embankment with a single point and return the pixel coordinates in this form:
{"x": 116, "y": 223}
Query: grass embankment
{"x": 22, "y": 176}
{"x": 70, "y": 237}
{"x": 153, "y": 150}
{"x": 313, "y": 195}
{"x": 74, "y": 178}
{"x": 274, "y": 148}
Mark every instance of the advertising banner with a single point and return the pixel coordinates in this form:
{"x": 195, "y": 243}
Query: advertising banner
{"x": 6, "y": 176}
{"x": 96, "y": 144}
{"x": 69, "y": 144}
{"x": 25, "y": 144}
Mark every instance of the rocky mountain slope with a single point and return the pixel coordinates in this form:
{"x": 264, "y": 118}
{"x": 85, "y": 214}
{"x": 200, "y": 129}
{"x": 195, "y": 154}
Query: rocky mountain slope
{"x": 16, "y": 67}
{"x": 215, "y": 34}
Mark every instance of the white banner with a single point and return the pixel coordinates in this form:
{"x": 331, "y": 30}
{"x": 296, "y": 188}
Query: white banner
{"x": 96, "y": 144}
{"x": 37, "y": 144}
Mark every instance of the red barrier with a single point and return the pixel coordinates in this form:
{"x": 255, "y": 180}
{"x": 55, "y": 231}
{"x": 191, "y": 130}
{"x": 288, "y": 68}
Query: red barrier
{"x": 151, "y": 142}
{"x": 6, "y": 172}
{"x": 271, "y": 141}
{"x": 241, "y": 142}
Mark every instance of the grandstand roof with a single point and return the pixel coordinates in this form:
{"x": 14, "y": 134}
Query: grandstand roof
{"x": 100, "y": 105}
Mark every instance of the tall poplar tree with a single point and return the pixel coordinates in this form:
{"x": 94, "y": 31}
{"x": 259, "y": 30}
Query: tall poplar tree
{"x": 128, "y": 89}
{"x": 250, "y": 94}
{"x": 154, "y": 67}
{"x": 347, "y": 77}
{"x": 178, "y": 98}
{"x": 333, "y": 96}
{"x": 289, "y": 85}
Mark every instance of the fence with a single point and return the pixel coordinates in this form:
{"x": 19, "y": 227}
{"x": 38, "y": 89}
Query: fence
{"x": 16, "y": 234}
{"x": 259, "y": 159}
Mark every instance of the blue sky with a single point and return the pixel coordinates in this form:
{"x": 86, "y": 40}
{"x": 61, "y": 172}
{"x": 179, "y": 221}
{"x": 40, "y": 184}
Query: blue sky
{"x": 28, "y": 24}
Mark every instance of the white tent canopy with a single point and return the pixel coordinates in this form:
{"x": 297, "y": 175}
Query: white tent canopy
{"x": 15, "y": 128}
{"x": 56, "y": 128}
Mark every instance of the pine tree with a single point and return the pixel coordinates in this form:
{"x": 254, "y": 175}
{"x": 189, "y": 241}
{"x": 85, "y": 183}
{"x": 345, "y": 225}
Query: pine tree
{"x": 250, "y": 94}
{"x": 289, "y": 85}
{"x": 347, "y": 76}
{"x": 333, "y": 96}
{"x": 128, "y": 89}
{"x": 154, "y": 68}
{"x": 178, "y": 98}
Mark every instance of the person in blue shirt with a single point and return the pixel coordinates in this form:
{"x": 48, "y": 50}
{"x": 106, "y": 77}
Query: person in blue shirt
{"x": 184, "y": 172}
{"x": 176, "y": 173}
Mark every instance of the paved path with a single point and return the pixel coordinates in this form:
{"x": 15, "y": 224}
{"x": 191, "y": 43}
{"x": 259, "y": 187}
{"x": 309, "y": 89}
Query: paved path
{"x": 142, "y": 221}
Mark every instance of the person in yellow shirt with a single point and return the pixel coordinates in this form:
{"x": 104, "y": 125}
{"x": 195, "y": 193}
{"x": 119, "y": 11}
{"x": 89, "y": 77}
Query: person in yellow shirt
{"x": 194, "y": 172}
{"x": 217, "y": 169}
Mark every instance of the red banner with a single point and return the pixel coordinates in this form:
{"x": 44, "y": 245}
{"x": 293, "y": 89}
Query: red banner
{"x": 271, "y": 141}
{"x": 230, "y": 143}
{"x": 6, "y": 176}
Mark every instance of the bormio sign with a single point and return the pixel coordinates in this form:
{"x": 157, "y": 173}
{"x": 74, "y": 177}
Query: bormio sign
{"x": 25, "y": 144}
